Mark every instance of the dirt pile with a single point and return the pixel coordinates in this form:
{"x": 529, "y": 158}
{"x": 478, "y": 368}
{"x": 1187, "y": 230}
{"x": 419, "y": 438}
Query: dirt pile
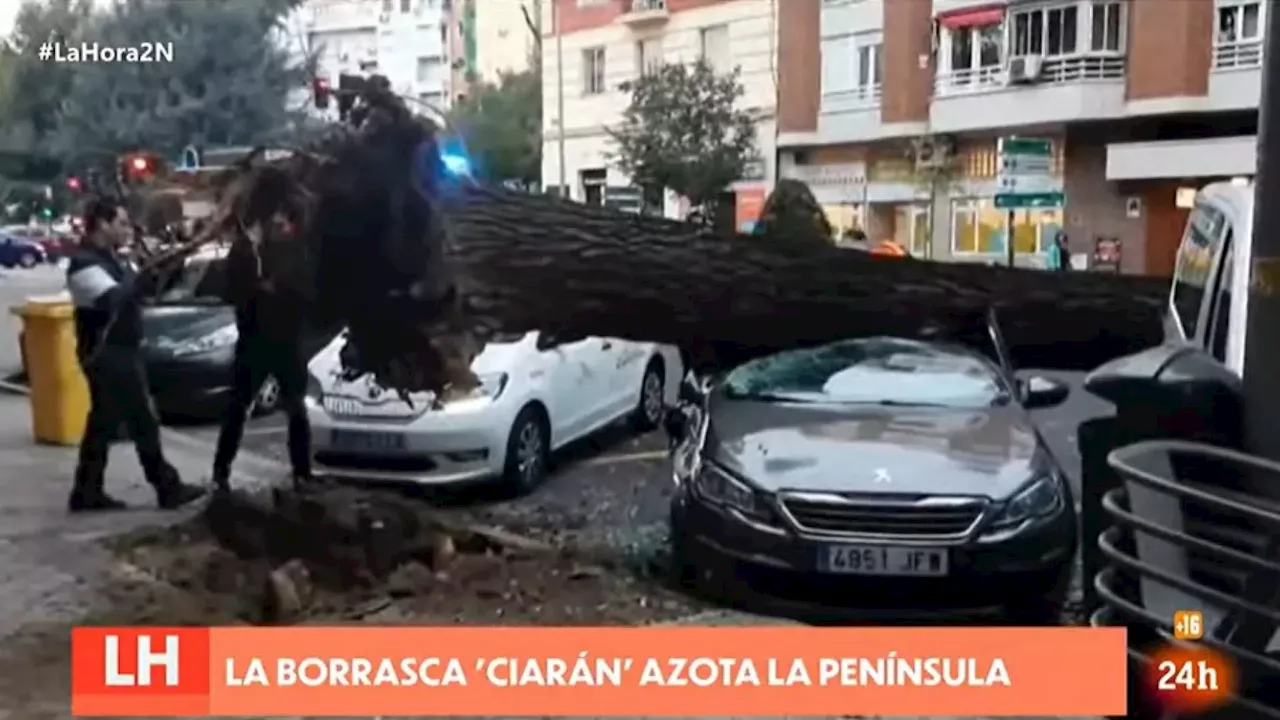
{"x": 339, "y": 554}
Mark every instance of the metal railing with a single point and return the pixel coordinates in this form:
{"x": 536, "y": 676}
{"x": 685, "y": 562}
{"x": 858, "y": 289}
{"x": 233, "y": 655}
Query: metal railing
{"x": 1053, "y": 71}
{"x": 868, "y": 95}
{"x": 1242, "y": 55}
{"x": 1210, "y": 544}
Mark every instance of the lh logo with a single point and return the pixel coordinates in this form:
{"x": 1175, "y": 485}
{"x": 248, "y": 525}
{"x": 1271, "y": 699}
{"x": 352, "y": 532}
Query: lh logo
{"x": 145, "y": 660}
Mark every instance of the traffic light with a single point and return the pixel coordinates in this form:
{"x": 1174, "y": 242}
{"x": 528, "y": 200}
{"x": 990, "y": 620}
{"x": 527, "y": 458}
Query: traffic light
{"x": 139, "y": 164}
{"x": 74, "y": 184}
{"x": 320, "y": 93}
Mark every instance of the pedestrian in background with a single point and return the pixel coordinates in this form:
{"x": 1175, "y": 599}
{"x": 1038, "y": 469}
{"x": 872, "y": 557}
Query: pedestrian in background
{"x": 108, "y": 323}
{"x": 1058, "y": 254}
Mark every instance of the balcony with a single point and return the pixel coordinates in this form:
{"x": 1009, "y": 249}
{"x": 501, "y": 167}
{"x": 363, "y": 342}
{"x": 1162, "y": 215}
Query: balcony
{"x": 1244, "y": 55}
{"x": 638, "y": 13}
{"x": 1059, "y": 89}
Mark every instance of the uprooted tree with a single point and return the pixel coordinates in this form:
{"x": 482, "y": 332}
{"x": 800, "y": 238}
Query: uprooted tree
{"x": 422, "y": 270}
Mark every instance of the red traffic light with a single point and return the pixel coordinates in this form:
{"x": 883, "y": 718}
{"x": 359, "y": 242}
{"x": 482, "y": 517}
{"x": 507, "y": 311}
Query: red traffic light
{"x": 139, "y": 163}
{"x": 320, "y": 93}
{"x": 73, "y": 184}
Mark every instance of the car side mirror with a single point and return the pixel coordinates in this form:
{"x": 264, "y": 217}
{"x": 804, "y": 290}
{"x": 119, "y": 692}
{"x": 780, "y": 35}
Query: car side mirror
{"x": 1043, "y": 392}
{"x": 693, "y": 389}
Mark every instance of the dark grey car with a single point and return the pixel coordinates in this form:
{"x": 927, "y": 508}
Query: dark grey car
{"x": 877, "y": 473}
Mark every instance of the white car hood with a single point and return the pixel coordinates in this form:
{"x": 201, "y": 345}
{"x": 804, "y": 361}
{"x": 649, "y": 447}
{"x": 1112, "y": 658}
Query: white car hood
{"x": 326, "y": 368}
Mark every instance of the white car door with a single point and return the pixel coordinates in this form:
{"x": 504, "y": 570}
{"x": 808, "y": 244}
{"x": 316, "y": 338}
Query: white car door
{"x": 629, "y": 361}
{"x": 575, "y": 385}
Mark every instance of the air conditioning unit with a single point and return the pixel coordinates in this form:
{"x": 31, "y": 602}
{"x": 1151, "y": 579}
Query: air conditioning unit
{"x": 1025, "y": 69}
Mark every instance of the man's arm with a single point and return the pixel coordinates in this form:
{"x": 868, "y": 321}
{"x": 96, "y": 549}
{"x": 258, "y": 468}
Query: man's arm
{"x": 92, "y": 286}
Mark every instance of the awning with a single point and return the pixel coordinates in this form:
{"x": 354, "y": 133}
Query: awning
{"x": 972, "y": 17}
{"x": 1178, "y": 159}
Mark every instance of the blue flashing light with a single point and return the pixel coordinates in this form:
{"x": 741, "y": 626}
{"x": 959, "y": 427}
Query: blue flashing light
{"x": 456, "y": 165}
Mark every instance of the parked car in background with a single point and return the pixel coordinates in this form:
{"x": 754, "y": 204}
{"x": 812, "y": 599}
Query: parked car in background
{"x": 57, "y": 245}
{"x": 875, "y": 473}
{"x": 17, "y": 251}
{"x": 189, "y": 337}
{"x": 530, "y": 403}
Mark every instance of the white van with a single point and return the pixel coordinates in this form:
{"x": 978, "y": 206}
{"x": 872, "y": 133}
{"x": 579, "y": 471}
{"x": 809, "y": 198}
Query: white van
{"x": 1208, "y": 300}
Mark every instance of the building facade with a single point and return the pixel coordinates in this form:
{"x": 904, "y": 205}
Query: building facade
{"x": 506, "y": 36}
{"x": 415, "y": 44}
{"x": 603, "y": 43}
{"x": 891, "y": 111}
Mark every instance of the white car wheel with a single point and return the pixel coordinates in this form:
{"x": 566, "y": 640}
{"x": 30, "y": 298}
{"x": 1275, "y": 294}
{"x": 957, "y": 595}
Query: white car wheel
{"x": 528, "y": 451}
{"x": 649, "y": 406}
{"x": 268, "y": 398}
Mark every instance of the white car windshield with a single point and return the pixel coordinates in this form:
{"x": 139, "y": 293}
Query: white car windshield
{"x": 878, "y": 371}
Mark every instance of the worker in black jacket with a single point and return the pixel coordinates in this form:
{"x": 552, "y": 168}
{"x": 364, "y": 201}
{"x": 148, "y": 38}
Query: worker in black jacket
{"x": 268, "y": 282}
{"x": 108, "y": 323}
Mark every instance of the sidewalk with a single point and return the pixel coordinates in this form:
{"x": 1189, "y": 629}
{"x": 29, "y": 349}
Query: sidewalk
{"x": 49, "y": 558}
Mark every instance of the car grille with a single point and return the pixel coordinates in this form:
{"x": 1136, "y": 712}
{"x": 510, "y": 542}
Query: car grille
{"x": 340, "y": 406}
{"x": 903, "y": 517}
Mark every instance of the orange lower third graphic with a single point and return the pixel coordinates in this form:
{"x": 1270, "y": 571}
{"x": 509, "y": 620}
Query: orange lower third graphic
{"x": 659, "y": 671}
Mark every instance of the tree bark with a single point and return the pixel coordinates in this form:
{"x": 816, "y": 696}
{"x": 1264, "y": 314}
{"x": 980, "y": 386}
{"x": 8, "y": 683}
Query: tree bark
{"x": 530, "y": 262}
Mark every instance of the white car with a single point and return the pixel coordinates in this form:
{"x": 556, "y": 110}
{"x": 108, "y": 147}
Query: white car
{"x": 531, "y": 402}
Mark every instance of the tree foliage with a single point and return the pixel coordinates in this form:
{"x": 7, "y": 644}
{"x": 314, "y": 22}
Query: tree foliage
{"x": 683, "y": 130}
{"x": 792, "y": 214}
{"x": 502, "y": 126}
{"x": 229, "y": 82}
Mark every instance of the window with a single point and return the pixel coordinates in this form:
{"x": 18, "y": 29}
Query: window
{"x": 386, "y": 7}
{"x": 1106, "y": 20}
{"x": 911, "y": 228}
{"x": 1220, "y": 326}
{"x": 715, "y": 46}
{"x": 1046, "y": 32}
{"x": 593, "y": 182}
{"x": 593, "y": 71}
{"x": 844, "y": 218}
{"x": 1239, "y": 22}
{"x": 978, "y": 227}
{"x": 429, "y": 68}
{"x": 869, "y": 66}
{"x": 649, "y": 55}
{"x": 1195, "y": 259}
{"x": 976, "y": 47}
{"x": 406, "y": 6}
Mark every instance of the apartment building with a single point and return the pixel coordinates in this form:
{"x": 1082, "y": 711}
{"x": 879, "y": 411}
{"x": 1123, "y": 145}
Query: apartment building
{"x": 414, "y": 43}
{"x": 506, "y": 36}
{"x": 891, "y": 110}
{"x": 602, "y": 43}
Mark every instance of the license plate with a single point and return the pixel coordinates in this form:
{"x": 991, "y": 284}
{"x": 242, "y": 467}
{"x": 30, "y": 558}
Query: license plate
{"x": 884, "y": 560}
{"x": 356, "y": 441}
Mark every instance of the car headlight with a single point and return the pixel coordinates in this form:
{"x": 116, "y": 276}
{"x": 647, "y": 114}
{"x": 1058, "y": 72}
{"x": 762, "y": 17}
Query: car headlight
{"x": 220, "y": 338}
{"x": 491, "y": 386}
{"x": 1040, "y": 498}
{"x": 717, "y": 486}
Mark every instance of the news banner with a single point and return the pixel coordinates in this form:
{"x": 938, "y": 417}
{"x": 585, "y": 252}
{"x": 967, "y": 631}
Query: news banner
{"x": 673, "y": 671}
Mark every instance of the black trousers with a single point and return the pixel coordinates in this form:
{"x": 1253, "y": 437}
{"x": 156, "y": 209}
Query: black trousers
{"x": 256, "y": 359}
{"x": 119, "y": 396}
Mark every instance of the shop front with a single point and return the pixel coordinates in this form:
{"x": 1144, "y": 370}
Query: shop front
{"x": 841, "y": 191}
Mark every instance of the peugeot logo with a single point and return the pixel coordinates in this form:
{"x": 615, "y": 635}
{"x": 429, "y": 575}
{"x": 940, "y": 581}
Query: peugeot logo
{"x": 882, "y": 476}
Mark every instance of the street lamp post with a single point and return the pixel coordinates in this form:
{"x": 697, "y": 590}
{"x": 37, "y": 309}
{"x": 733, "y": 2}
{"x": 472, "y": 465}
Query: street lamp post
{"x": 1262, "y": 342}
{"x": 555, "y": 24}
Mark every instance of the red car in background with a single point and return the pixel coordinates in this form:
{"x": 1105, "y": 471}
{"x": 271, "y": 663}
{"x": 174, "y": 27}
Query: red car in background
{"x": 56, "y": 245}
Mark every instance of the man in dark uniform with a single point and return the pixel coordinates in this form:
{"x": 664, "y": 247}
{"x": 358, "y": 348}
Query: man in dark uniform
{"x": 268, "y": 282}
{"x": 109, "y": 336}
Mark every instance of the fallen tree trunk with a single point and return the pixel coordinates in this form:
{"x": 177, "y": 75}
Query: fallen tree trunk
{"x": 422, "y": 271}
{"x": 526, "y": 262}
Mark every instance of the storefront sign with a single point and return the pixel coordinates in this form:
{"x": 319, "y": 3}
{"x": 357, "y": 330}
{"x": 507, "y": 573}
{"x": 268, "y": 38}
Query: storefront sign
{"x": 850, "y": 175}
{"x": 748, "y": 206}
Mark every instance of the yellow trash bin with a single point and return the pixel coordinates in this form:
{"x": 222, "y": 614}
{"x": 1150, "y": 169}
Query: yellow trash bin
{"x": 59, "y": 392}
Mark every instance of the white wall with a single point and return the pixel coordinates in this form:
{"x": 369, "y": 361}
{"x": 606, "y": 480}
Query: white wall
{"x": 752, "y": 47}
{"x": 504, "y": 42}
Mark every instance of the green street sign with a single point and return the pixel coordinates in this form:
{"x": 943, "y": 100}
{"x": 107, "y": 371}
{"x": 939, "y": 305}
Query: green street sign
{"x": 1031, "y": 201}
{"x": 1024, "y": 146}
